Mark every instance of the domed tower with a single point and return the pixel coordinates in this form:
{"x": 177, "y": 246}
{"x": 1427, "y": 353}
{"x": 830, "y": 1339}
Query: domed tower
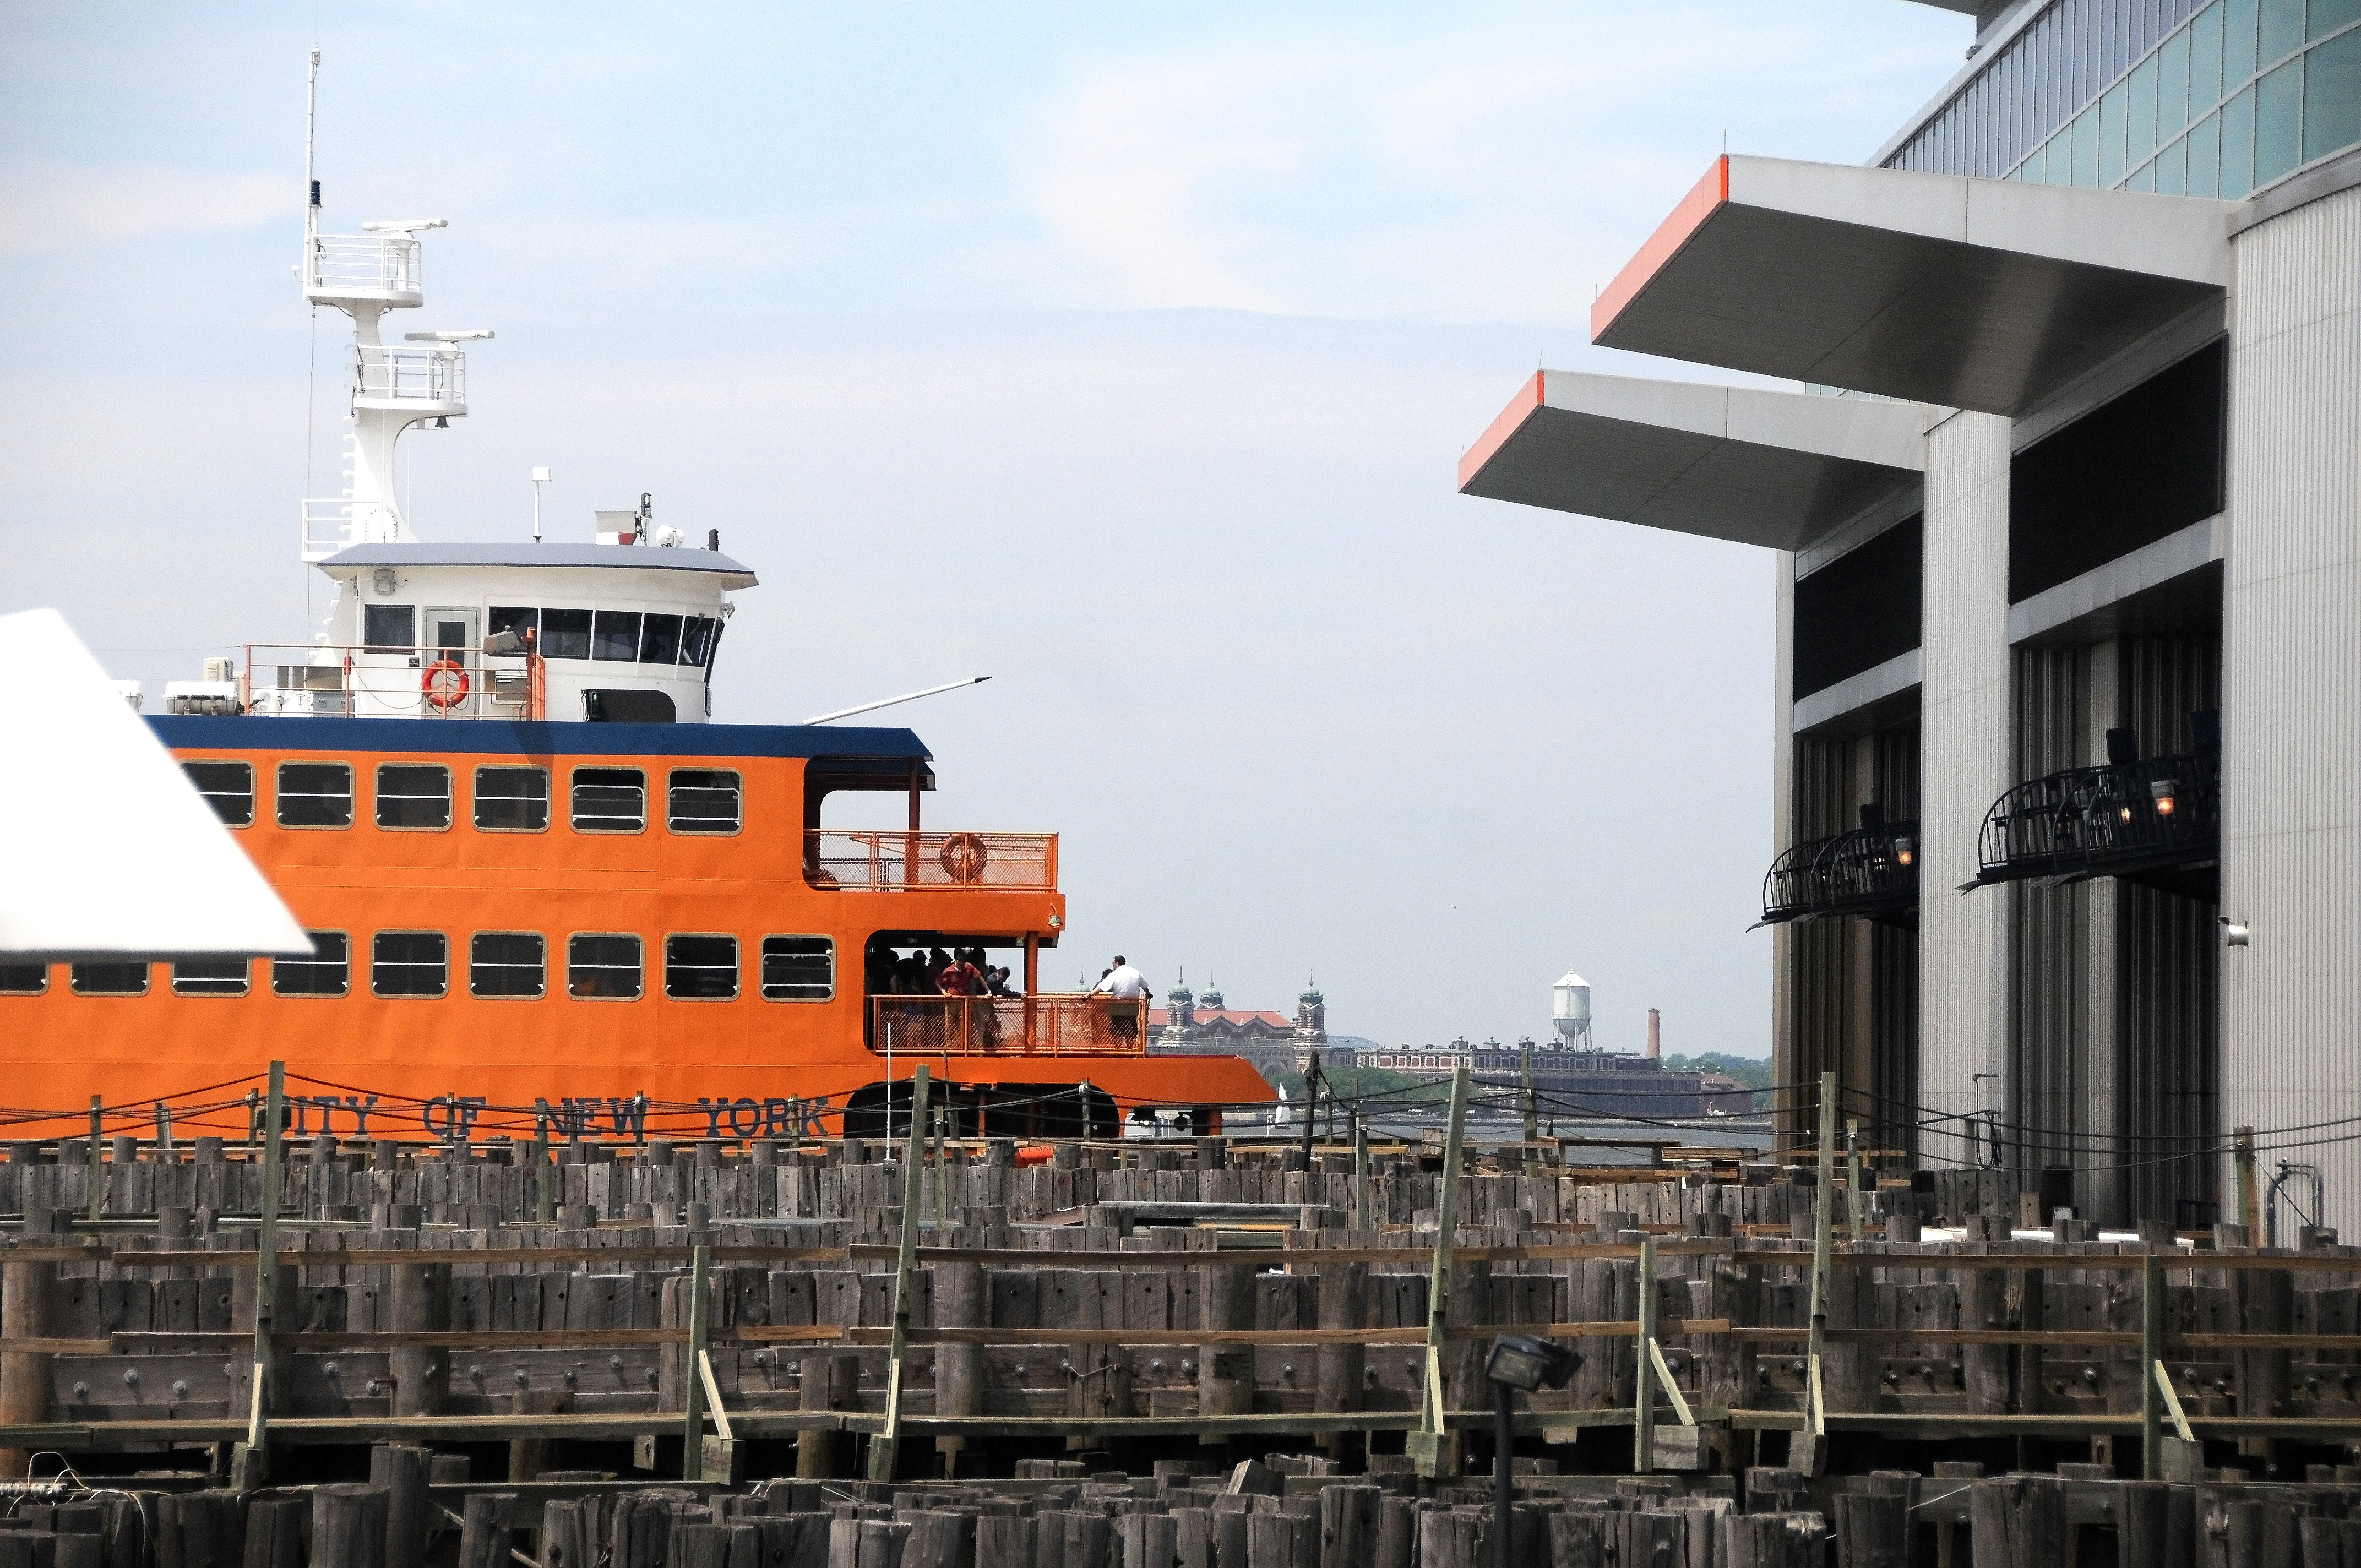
{"x": 1312, "y": 1015}
{"x": 1210, "y": 999}
{"x": 1179, "y": 1009}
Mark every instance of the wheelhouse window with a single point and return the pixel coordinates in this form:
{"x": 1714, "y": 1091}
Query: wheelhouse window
{"x": 798, "y": 969}
{"x": 211, "y": 977}
{"x": 701, "y": 969}
{"x": 702, "y": 800}
{"x": 697, "y": 640}
{"x": 610, "y": 800}
{"x": 660, "y": 639}
{"x": 603, "y": 966}
{"x": 410, "y": 963}
{"x": 564, "y": 633}
{"x": 506, "y": 963}
{"x": 110, "y": 980}
{"x": 616, "y": 636}
{"x": 512, "y": 800}
{"x": 228, "y": 788}
{"x": 389, "y": 628}
{"x": 315, "y": 795}
{"x": 24, "y": 980}
{"x": 414, "y": 795}
{"x": 511, "y": 617}
{"x": 327, "y": 972}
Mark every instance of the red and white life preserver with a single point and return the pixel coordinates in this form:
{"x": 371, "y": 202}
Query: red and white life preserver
{"x": 445, "y": 683}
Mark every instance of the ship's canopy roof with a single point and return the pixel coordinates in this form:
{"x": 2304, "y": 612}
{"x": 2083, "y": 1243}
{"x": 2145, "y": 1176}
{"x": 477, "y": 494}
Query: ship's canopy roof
{"x": 617, "y": 557}
{"x": 112, "y": 853}
{"x": 853, "y": 756}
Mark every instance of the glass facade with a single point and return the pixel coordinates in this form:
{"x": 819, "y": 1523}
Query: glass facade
{"x": 2171, "y": 96}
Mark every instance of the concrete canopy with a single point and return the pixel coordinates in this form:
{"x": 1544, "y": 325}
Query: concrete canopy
{"x": 1983, "y": 294}
{"x": 1737, "y": 463}
{"x": 112, "y": 853}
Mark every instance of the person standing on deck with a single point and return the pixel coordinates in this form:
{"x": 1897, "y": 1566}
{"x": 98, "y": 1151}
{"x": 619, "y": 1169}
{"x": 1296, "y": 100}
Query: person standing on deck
{"x": 1128, "y": 988}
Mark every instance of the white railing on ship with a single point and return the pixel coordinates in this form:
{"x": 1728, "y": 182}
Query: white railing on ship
{"x": 385, "y": 372}
{"x": 327, "y": 526}
{"x": 330, "y": 680}
{"x": 374, "y": 264}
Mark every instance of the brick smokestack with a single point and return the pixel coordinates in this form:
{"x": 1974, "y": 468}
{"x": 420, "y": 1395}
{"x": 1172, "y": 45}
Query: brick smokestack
{"x": 1655, "y": 1035}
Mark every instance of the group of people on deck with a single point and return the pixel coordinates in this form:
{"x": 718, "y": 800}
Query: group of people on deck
{"x": 934, "y": 972}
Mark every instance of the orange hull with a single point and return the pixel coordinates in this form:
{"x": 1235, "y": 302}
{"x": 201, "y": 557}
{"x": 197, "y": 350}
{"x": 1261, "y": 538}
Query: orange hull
{"x": 706, "y": 1067}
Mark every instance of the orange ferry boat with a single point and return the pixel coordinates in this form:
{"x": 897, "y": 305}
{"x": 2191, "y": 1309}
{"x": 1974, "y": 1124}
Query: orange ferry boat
{"x": 535, "y": 875}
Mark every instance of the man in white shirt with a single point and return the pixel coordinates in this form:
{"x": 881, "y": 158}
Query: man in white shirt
{"x": 1124, "y": 983}
{"x": 1128, "y": 988}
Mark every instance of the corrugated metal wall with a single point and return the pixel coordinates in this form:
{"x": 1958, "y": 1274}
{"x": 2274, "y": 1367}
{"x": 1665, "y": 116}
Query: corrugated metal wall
{"x": 2291, "y": 693}
{"x": 2049, "y": 1082}
{"x": 1964, "y": 752}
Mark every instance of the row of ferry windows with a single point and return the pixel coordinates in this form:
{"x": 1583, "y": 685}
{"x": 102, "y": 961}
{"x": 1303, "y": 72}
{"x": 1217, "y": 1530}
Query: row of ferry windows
{"x": 418, "y": 797}
{"x": 599, "y": 966}
{"x": 624, "y": 637}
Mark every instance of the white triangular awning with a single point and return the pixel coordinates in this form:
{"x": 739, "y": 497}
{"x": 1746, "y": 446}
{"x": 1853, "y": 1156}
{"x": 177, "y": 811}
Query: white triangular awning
{"x": 109, "y": 852}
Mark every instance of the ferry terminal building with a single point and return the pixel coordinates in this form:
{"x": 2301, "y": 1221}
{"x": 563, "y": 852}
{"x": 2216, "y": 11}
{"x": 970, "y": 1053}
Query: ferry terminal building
{"x": 2066, "y": 789}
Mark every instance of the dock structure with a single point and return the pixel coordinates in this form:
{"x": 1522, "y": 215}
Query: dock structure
{"x": 1219, "y": 1354}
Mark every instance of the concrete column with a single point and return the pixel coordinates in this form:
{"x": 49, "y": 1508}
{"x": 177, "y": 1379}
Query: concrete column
{"x": 1964, "y": 758}
{"x": 2291, "y": 1019}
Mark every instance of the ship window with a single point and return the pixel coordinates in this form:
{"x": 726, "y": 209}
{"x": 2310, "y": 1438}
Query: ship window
{"x": 602, "y": 966}
{"x": 24, "y": 980}
{"x": 505, "y": 963}
{"x": 410, "y": 963}
{"x": 511, "y": 617}
{"x": 110, "y": 980}
{"x": 609, "y": 800}
{"x": 389, "y": 628}
{"x": 315, "y": 795}
{"x": 228, "y": 788}
{"x": 512, "y": 800}
{"x": 660, "y": 639}
{"x": 327, "y": 972}
{"x": 209, "y": 977}
{"x": 697, "y": 640}
{"x": 702, "y": 800}
{"x": 798, "y": 969}
{"x": 616, "y": 636}
{"x": 564, "y": 633}
{"x": 701, "y": 969}
{"x": 414, "y": 794}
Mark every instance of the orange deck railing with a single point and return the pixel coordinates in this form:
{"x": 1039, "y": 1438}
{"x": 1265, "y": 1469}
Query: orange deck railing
{"x": 882, "y": 859}
{"x": 1062, "y": 1024}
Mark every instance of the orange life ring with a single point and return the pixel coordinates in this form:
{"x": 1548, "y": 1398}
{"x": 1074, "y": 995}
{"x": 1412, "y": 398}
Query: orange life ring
{"x": 445, "y": 683}
{"x": 964, "y": 857}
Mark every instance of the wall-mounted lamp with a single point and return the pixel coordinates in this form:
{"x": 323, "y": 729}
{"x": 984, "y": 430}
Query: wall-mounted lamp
{"x": 382, "y": 579}
{"x": 2234, "y": 933}
{"x": 2160, "y": 791}
{"x": 1905, "y": 850}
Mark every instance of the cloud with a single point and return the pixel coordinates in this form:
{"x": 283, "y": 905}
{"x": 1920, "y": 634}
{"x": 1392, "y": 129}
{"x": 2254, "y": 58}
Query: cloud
{"x": 47, "y": 205}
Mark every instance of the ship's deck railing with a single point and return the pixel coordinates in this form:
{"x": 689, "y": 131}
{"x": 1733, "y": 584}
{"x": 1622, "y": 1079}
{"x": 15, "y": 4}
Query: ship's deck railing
{"x": 327, "y": 681}
{"x": 408, "y": 375}
{"x": 2085, "y": 822}
{"x": 880, "y": 860}
{"x": 1059, "y": 1025}
{"x": 327, "y": 526}
{"x": 363, "y": 267}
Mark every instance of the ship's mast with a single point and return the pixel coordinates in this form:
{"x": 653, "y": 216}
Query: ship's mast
{"x": 392, "y": 386}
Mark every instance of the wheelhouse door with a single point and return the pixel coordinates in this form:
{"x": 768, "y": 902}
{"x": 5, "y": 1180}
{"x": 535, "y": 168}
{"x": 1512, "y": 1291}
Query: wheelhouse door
{"x": 452, "y": 685}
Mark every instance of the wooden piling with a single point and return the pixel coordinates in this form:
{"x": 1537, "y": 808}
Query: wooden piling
{"x": 348, "y": 1526}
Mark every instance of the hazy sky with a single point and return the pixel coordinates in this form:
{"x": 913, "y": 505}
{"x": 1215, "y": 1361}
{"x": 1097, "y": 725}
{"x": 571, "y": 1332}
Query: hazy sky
{"x": 1121, "y": 353}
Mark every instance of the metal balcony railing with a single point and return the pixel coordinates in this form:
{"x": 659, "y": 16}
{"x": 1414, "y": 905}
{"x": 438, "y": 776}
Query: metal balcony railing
{"x": 2124, "y": 817}
{"x": 1872, "y": 871}
{"x": 885, "y": 860}
{"x": 1062, "y": 1025}
{"x": 307, "y": 681}
{"x": 431, "y": 381}
{"x": 363, "y": 267}
{"x": 327, "y": 526}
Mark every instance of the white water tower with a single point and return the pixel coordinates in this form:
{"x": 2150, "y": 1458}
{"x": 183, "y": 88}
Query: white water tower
{"x": 1570, "y": 1012}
